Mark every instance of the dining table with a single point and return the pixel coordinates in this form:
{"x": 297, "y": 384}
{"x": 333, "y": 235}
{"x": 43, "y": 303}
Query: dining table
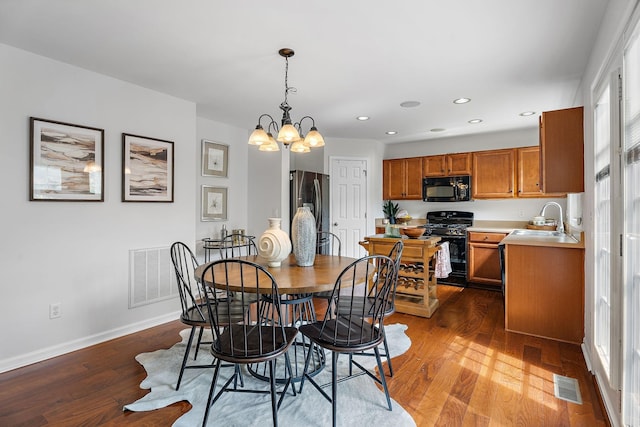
{"x": 296, "y": 286}
{"x": 293, "y": 279}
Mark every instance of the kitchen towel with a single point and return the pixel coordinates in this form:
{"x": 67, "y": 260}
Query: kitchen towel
{"x": 443, "y": 261}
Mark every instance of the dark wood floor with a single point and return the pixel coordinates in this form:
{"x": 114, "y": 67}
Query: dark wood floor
{"x": 462, "y": 369}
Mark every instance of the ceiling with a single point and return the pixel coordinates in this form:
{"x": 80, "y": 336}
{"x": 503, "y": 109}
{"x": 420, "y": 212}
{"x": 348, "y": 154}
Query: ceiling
{"x": 352, "y": 57}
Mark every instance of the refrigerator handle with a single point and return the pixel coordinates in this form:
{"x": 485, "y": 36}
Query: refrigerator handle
{"x": 317, "y": 203}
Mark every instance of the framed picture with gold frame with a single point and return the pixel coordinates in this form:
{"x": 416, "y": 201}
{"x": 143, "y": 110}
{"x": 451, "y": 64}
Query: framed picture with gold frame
{"x": 215, "y": 158}
{"x": 214, "y": 203}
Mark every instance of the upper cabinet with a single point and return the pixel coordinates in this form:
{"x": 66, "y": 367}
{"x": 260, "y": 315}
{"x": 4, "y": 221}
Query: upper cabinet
{"x": 493, "y": 174}
{"x": 562, "y": 151}
{"x": 529, "y": 173}
{"x": 447, "y": 165}
{"x": 402, "y": 179}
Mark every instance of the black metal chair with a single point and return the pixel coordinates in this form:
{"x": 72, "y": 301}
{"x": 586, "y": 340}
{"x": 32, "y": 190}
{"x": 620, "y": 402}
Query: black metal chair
{"x": 193, "y": 303}
{"x": 246, "y": 342}
{"x": 327, "y": 243}
{"x": 395, "y": 254}
{"x": 237, "y": 245}
{"x": 350, "y": 331}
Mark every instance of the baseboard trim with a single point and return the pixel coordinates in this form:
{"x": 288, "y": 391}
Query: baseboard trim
{"x": 67, "y": 347}
{"x": 613, "y": 417}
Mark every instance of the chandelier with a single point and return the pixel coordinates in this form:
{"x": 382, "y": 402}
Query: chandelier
{"x": 289, "y": 133}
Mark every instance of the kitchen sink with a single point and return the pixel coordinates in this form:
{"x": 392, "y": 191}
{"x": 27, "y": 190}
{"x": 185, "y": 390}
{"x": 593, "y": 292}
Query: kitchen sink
{"x": 542, "y": 236}
{"x": 537, "y": 233}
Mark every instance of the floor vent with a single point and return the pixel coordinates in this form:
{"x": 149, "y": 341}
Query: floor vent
{"x": 566, "y": 388}
{"x": 151, "y": 276}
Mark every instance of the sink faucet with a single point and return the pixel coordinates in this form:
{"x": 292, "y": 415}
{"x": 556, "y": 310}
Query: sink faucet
{"x": 560, "y": 226}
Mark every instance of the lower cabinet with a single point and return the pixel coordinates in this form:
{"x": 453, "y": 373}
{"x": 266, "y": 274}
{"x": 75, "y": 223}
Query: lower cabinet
{"x": 483, "y": 263}
{"x": 544, "y": 292}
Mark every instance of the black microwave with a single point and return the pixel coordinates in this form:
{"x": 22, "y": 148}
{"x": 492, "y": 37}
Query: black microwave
{"x": 446, "y": 189}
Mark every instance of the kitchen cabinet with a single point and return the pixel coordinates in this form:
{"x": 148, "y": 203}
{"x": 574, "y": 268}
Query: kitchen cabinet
{"x": 493, "y": 174}
{"x": 447, "y": 164}
{"x": 402, "y": 179}
{"x": 544, "y": 291}
{"x": 483, "y": 259}
{"x": 562, "y": 151}
{"x": 416, "y": 291}
{"x": 528, "y": 170}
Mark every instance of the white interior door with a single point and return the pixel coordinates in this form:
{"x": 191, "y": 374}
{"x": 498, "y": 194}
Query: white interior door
{"x": 348, "y": 177}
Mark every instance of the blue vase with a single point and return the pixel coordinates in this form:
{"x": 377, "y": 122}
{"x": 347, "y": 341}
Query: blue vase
{"x": 303, "y": 237}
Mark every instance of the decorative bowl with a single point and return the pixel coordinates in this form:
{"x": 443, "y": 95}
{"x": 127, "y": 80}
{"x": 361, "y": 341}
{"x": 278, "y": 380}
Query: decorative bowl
{"x": 413, "y": 232}
{"x": 403, "y": 220}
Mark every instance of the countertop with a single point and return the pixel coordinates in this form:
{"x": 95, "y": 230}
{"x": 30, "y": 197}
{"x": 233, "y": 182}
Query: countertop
{"x": 497, "y": 226}
{"x": 566, "y": 241}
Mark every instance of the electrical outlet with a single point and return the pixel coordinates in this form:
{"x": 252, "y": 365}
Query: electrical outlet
{"x": 521, "y": 213}
{"x": 55, "y": 310}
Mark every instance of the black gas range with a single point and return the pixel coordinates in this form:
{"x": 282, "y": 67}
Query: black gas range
{"x": 451, "y": 226}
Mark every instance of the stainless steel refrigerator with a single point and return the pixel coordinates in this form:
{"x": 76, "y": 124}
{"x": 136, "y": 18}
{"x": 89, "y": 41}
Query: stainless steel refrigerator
{"x": 310, "y": 189}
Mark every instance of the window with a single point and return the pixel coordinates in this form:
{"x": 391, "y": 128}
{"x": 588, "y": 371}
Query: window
{"x": 631, "y": 232}
{"x": 602, "y": 232}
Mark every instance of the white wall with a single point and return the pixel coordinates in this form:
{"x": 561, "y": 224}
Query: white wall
{"x": 499, "y": 209}
{"x": 235, "y": 182}
{"x": 77, "y": 253}
{"x": 268, "y": 189}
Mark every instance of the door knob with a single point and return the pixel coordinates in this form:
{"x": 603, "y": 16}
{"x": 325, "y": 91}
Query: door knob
{"x": 335, "y": 224}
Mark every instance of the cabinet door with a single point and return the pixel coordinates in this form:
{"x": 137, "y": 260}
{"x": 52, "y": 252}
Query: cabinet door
{"x": 493, "y": 174}
{"x": 529, "y": 174}
{"x": 393, "y": 179}
{"x": 484, "y": 264}
{"x": 459, "y": 164}
{"x": 413, "y": 179}
{"x": 562, "y": 151}
{"x": 434, "y": 165}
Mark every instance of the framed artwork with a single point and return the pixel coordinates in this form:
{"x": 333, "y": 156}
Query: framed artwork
{"x": 215, "y": 158}
{"x": 214, "y": 203}
{"x": 67, "y": 162}
{"x": 147, "y": 169}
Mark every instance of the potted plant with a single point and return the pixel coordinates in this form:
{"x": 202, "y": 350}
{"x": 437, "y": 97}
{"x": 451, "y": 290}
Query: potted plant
{"x": 390, "y": 210}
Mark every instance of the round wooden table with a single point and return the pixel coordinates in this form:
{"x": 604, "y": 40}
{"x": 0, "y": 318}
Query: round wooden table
{"x": 296, "y": 286}
{"x": 293, "y": 279}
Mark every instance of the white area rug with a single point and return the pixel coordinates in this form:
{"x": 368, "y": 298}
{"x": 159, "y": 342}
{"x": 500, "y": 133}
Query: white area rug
{"x": 360, "y": 402}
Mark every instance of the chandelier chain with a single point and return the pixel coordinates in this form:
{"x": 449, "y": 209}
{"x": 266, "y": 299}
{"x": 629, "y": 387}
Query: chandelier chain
{"x": 287, "y": 89}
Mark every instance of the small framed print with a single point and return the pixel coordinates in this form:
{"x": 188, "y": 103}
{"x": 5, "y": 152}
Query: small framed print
{"x": 147, "y": 169}
{"x": 214, "y": 203}
{"x": 67, "y": 162}
{"x": 215, "y": 158}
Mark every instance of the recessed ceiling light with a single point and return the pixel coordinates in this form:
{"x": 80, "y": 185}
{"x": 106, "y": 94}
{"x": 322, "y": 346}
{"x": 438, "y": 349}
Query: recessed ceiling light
{"x": 362, "y": 118}
{"x": 409, "y": 104}
{"x": 391, "y": 132}
{"x": 527, "y": 113}
{"x": 461, "y": 100}
{"x": 438, "y": 130}
{"x": 474, "y": 121}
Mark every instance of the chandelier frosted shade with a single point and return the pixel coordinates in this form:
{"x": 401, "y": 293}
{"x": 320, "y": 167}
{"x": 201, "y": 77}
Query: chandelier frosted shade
{"x": 299, "y": 147}
{"x": 271, "y": 145}
{"x": 258, "y": 136}
{"x": 314, "y": 139}
{"x": 288, "y": 134}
